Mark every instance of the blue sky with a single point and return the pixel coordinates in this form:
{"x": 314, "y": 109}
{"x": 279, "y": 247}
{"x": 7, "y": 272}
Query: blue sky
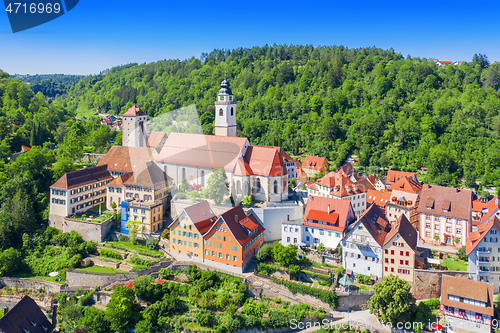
{"x": 97, "y": 35}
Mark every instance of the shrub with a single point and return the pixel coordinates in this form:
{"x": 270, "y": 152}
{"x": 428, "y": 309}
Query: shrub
{"x": 432, "y": 303}
{"x": 204, "y": 317}
{"x": 364, "y": 279}
{"x": 266, "y": 269}
{"x": 265, "y": 253}
{"x": 123, "y": 238}
{"x": 247, "y": 200}
{"x": 326, "y": 296}
{"x": 165, "y": 234}
{"x": 139, "y": 261}
{"x": 110, "y": 254}
{"x": 152, "y": 243}
{"x": 462, "y": 254}
{"x": 294, "y": 272}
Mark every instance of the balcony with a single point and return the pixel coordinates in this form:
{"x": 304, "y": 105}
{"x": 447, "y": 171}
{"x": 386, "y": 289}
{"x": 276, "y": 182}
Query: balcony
{"x": 363, "y": 241}
{"x": 483, "y": 263}
{"x": 483, "y": 253}
{"x": 483, "y": 272}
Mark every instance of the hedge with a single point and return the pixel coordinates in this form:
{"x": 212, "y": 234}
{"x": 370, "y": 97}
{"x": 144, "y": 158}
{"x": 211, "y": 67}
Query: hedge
{"x": 110, "y": 254}
{"x": 326, "y": 296}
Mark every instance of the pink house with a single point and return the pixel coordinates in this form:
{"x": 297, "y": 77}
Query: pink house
{"x": 445, "y": 212}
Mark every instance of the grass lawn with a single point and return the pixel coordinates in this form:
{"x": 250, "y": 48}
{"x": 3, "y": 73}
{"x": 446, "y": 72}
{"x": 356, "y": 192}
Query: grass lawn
{"x": 362, "y": 287}
{"x": 141, "y": 249}
{"x": 457, "y": 265}
{"x": 47, "y": 278}
{"x": 99, "y": 269}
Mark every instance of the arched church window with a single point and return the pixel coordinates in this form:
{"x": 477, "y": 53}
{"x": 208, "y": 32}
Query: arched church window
{"x": 258, "y": 185}
{"x": 183, "y": 173}
{"x": 275, "y": 187}
{"x": 202, "y": 178}
{"x": 221, "y": 112}
{"x": 232, "y": 112}
{"x": 238, "y": 187}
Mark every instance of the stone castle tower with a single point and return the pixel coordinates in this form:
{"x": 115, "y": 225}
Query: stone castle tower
{"x": 134, "y": 130}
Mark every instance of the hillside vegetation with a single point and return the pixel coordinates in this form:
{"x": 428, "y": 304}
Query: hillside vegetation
{"x": 391, "y": 111}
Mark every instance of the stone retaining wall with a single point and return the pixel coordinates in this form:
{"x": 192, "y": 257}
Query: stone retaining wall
{"x": 90, "y": 231}
{"x": 90, "y": 280}
{"x": 427, "y": 283}
{"x": 22, "y": 283}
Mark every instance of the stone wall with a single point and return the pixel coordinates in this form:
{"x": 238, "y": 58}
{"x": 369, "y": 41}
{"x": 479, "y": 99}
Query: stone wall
{"x": 90, "y": 280}
{"x": 22, "y": 283}
{"x": 90, "y": 231}
{"x": 427, "y": 283}
{"x": 353, "y": 302}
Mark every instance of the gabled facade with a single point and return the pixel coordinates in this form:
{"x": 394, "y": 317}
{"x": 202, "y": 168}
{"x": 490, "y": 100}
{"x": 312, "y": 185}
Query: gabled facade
{"x": 402, "y": 203}
{"x": 405, "y": 184}
{"x": 380, "y": 184}
{"x": 78, "y": 191}
{"x": 446, "y": 213}
{"x": 400, "y": 247}
{"x": 188, "y": 228}
{"x": 325, "y": 221}
{"x": 233, "y": 240}
{"x": 338, "y": 186}
{"x": 483, "y": 251}
{"x": 156, "y": 139}
{"x": 467, "y": 305}
{"x": 313, "y": 165}
{"x": 362, "y": 246}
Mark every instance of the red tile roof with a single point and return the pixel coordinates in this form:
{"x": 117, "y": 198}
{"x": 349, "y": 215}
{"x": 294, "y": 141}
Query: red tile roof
{"x": 265, "y": 161}
{"x": 283, "y": 154}
{"x": 149, "y": 175}
{"x": 375, "y": 222}
{"x": 339, "y": 185}
{"x": 491, "y": 208}
{"x": 155, "y": 138}
{"x": 476, "y": 236}
{"x": 377, "y": 197}
{"x": 394, "y": 175}
{"x": 127, "y": 159}
{"x": 406, "y": 184}
{"x": 82, "y": 177}
{"x": 201, "y": 215}
{"x": 317, "y": 209}
{"x": 404, "y": 228}
{"x": 347, "y": 170}
{"x": 314, "y": 162}
{"x": 411, "y": 199}
{"x": 476, "y": 290}
{"x": 478, "y": 206}
{"x": 236, "y": 220}
{"x": 242, "y": 168}
{"x": 133, "y": 112}
{"x": 208, "y": 151}
{"x": 436, "y": 199}
{"x": 119, "y": 181}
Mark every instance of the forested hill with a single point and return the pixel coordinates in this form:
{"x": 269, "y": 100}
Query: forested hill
{"x": 50, "y": 85}
{"x": 331, "y": 101}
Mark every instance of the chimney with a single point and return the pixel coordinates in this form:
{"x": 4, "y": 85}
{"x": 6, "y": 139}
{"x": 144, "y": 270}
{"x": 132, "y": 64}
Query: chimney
{"x": 5, "y": 310}
{"x": 328, "y": 211}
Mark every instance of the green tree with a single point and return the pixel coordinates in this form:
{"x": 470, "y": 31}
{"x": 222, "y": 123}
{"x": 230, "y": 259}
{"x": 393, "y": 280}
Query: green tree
{"x": 247, "y": 200}
{"x": 122, "y": 310}
{"x": 462, "y": 254}
{"x": 133, "y": 229}
{"x": 284, "y": 255}
{"x": 217, "y": 186}
{"x": 94, "y": 320}
{"x": 392, "y": 300}
{"x": 10, "y": 261}
{"x": 265, "y": 253}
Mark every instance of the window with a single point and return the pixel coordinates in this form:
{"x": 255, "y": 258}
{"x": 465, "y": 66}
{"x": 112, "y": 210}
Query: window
{"x": 285, "y": 229}
{"x": 392, "y": 252}
{"x": 387, "y": 251}
{"x": 386, "y": 269}
{"x": 436, "y": 226}
{"x": 221, "y": 112}
{"x": 459, "y": 222}
{"x": 459, "y": 231}
{"x": 386, "y": 260}
{"x": 392, "y": 269}
{"x": 288, "y": 239}
{"x": 401, "y": 253}
{"x": 401, "y": 262}
{"x": 392, "y": 261}
{"x": 427, "y": 234}
{"x": 275, "y": 187}
{"x": 448, "y": 229}
{"x": 407, "y": 262}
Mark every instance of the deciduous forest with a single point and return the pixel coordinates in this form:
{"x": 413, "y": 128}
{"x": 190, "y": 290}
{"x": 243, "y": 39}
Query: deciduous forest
{"x": 389, "y": 110}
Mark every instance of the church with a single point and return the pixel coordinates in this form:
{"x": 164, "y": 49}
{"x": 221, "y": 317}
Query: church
{"x": 251, "y": 170}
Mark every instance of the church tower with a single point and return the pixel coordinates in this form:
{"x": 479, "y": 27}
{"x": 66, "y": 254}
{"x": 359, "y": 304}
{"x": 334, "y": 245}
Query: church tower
{"x": 134, "y": 128}
{"x": 225, "y": 111}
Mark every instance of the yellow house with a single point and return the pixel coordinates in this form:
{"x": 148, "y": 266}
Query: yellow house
{"x": 313, "y": 165}
{"x": 188, "y": 228}
{"x": 148, "y": 214}
{"x": 400, "y": 257}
